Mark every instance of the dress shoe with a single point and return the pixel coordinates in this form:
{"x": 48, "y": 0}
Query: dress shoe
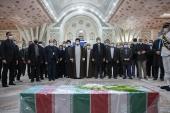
{"x": 5, "y": 86}
{"x": 12, "y": 84}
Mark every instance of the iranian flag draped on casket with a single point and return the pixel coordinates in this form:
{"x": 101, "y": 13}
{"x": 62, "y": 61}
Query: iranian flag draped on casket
{"x": 90, "y": 98}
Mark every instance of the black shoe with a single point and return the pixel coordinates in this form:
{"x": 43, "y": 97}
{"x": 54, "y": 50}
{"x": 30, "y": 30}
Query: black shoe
{"x": 130, "y": 78}
{"x": 155, "y": 79}
{"x": 124, "y": 77}
{"x": 12, "y": 84}
{"x": 5, "y": 86}
{"x": 162, "y": 79}
{"x": 115, "y": 77}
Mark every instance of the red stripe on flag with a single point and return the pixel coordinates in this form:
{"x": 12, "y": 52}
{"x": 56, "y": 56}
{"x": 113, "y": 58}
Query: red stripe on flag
{"x": 153, "y": 99}
{"x": 99, "y": 103}
{"x": 44, "y": 100}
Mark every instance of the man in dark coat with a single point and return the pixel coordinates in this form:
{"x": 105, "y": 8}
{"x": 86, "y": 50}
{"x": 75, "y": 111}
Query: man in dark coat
{"x": 42, "y": 61}
{"x": 157, "y": 59}
{"x": 98, "y": 57}
{"x": 51, "y": 59}
{"x": 149, "y": 64}
{"x": 112, "y": 60}
{"x": 69, "y": 60}
{"x": 126, "y": 56}
{"x": 133, "y": 46}
{"x": 8, "y": 59}
{"x": 141, "y": 58}
{"x": 34, "y": 54}
{"x": 61, "y": 63}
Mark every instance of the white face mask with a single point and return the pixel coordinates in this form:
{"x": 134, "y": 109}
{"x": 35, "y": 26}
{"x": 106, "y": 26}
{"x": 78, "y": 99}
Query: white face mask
{"x": 126, "y": 46}
{"x": 77, "y": 43}
{"x": 98, "y": 41}
{"x": 10, "y": 37}
{"x": 51, "y": 44}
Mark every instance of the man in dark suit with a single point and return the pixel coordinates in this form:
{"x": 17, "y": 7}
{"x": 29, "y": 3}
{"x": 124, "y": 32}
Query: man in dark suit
{"x": 157, "y": 58}
{"x": 51, "y": 59}
{"x": 141, "y": 58}
{"x": 34, "y": 54}
{"x": 0, "y": 61}
{"x": 112, "y": 60}
{"x": 42, "y": 60}
{"x": 8, "y": 59}
{"x": 98, "y": 57}
{"x": 134, "y": 58}
{"x": 126, "y": 56}
{"x": 61, "y": 63}
{"x": 149, "y": 64}
{"x": 21, "y": 64}
{"x": 69, "y": 60}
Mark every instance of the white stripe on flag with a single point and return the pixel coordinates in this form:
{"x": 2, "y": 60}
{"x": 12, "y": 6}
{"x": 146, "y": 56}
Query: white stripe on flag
{"x": 62, "y": 103}
{"x": 119, "y": 103}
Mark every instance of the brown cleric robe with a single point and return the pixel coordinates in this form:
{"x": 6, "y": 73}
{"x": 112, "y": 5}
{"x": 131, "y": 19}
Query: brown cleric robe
{"x": 90, "y": 65}
{"x": 79, "y": 60}
{"x": 69, "y": 63}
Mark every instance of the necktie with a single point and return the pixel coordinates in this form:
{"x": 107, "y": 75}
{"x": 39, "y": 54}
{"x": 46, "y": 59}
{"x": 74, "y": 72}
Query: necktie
{"x": 99, "y": 48}
{"x": 36, "y": 51}
{"x": 159, "y": 47}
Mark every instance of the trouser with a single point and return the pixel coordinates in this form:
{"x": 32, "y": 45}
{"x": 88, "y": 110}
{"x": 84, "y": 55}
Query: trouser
{"x": 61, "y": 69}
{"x": 6, "y": 67}
{"x": 0, "y": 69}
{"x": 115, "y": 69}
{"x": 51, "y": 70}
{"x": 20, "y": 69}
{"x": 149, "y": 68}
{"x": 42, "y": 70}
{"x": 120, "y": 68}
{"x": 134, "y": 69}
{"x": 29, "y": 70}
{"x": 158, "y": 63}
{"x": 98, "y": 70}
{"x": 127, "y": 69}
{"x": 35, "y": 71}
{"x": 142, "y": 67}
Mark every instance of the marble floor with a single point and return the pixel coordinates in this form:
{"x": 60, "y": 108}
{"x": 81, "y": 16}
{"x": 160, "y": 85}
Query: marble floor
{"x": 9, "y": 97}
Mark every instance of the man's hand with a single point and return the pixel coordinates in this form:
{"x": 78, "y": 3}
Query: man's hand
{"x": 46, "y": 62}
{"x": 83, "y": 59}
{"x": 158, "y": 52}
{"x": 29, "y": 61}
{"x": 143, "y": 52}
{"x": 4, "y": 61}
{"x": 71, "y": 59}
{"x": 92, "y": 59}
{"x": 139, "y": 53}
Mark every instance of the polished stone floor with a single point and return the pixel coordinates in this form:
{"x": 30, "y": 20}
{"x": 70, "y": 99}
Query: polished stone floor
{"x": 9, "y": 97}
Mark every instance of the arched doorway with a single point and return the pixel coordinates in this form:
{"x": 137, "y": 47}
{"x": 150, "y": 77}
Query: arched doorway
{"x": 81, "y": 26}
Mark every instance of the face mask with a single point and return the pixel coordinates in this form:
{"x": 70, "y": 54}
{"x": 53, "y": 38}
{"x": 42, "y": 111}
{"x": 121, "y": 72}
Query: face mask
{"x": 68, "y": 44}
{"x": 77, "y": 43}
{"x": 10, "y": 37}
{"x": 51, "y": 44}
{"x": 98, "y": 41}
{"x": 126, "y": 46}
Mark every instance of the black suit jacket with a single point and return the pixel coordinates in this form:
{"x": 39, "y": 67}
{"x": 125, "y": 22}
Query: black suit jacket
{"x": 8, "y": 51}
{"x": 140, "y": 48}
{"x": 99, "y": 56}
{"x": 51, "y": 54}
{"x": 156, "y": 45}
{"x": 126, "y": 55}
{"x": 115, "y": 54}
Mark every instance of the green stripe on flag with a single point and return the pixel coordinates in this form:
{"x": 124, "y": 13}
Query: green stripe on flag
{"x": 81, "y": 103}
{"x": 138, "y": 102}
{"x": 27, "y": 100}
